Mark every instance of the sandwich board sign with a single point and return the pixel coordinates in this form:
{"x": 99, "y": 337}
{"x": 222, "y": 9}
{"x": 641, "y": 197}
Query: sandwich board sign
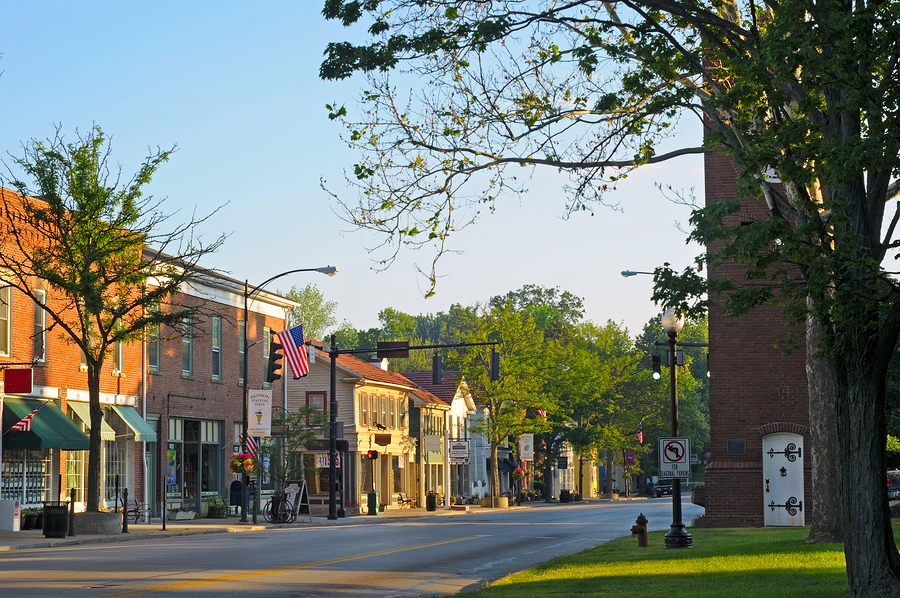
{"x": 674, "y": 457}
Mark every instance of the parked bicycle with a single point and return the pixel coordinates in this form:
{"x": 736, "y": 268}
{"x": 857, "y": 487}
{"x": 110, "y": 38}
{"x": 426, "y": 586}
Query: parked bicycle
{"x": 279, "y": 510}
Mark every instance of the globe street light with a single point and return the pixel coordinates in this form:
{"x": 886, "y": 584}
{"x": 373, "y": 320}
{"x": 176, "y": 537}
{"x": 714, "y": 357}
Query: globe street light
{"x": 672, "y": 323}
{"x": 245, "y": 478}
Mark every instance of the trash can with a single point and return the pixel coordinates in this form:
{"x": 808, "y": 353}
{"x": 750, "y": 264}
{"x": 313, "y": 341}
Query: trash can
{"x": 374, "y": 498}
{"x": 431, "y": 501}
{"x": 56, "y": 519}
{"x": 565, "y": 496}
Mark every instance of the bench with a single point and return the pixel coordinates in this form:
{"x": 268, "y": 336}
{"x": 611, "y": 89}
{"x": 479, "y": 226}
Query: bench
{"x": 136, "y": 511}
{"x": 404, "y": 501}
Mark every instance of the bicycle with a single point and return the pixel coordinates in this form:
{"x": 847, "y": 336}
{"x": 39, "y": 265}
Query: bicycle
{"x": 279, "y": 510}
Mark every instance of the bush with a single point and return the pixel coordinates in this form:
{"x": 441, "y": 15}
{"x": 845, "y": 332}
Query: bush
{"x": 540, "y": 487}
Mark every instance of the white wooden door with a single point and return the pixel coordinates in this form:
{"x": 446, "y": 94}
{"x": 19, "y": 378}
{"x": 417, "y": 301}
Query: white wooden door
{"x": 783, "y": 479}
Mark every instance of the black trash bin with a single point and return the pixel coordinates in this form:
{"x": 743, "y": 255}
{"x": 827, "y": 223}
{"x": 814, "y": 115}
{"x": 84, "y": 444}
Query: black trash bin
{"x": 565, "y": 496}
{"x": 56, "y": 519}
{"x": 431, "y": 501}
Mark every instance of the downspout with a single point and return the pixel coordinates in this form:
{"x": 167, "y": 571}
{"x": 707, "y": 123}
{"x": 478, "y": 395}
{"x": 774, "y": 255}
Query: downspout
{"x": 146, "y": 476}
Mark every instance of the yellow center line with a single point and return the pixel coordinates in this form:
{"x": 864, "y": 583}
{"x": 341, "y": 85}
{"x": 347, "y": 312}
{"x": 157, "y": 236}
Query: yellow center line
{"x": 248, "y": 574}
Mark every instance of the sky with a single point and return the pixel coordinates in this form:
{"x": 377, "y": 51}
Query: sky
{"x": 235, "y": 87}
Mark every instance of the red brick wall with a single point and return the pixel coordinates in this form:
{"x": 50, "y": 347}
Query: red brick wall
{"x": 753, "y": 385}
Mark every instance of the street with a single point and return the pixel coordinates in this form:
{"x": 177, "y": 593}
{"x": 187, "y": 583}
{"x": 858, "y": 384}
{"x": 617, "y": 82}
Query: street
{"x": 394, "y": 557}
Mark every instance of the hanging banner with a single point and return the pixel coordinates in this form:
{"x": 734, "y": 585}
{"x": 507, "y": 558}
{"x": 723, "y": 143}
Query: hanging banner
{"x": 259, "y": 413}
{"x": 526, "y": 447}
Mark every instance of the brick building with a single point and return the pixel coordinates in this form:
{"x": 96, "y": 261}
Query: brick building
{"x": 195, "y": 391}
{"x": 758, "y": 471}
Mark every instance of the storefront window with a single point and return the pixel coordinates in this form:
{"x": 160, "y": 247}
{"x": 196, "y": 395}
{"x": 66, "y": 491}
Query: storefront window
{"x": 114, "y": 462}
{"x": 74, "y": 472}
{"x": 397, "y": 473}
{"x": 317, "y": 478}
{"x": 26, "y": 476}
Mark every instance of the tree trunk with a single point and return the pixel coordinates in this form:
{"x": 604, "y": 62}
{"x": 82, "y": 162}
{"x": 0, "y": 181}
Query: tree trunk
{"x": 495, "y": 473}
{"x": 548, "y": 471}
{"x": 827, "y": 517}
{"x": 609, "y": 471}
{"x": 869, "y": 546}
{"x": 92, "y": 490}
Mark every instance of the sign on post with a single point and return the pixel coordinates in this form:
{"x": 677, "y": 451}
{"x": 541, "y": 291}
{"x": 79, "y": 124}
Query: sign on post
{"x": 674, "y": 458}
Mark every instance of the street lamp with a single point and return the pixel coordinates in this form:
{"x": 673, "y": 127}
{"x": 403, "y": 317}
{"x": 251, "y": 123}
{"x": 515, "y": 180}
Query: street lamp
{"x": 627, "y": 273}
{"x": 672, "y": 323}
{"x": 245, "y": 478}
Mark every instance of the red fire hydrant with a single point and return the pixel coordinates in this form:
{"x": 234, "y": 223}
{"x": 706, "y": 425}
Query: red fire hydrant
{"x": 640, "y": 530}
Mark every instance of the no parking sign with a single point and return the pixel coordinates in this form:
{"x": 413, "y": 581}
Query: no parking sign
{"x": 674, "y": 457}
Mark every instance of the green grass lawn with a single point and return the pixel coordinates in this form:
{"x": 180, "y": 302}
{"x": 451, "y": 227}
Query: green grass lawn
{"x": 724, "y": 563}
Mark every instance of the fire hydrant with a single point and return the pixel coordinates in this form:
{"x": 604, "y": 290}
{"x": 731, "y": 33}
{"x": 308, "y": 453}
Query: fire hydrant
{"x": 640, "y": 530}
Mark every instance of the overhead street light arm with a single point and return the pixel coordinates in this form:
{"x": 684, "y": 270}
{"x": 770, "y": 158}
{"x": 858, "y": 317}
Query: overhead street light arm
{"x": 245, "y": 478}
{"x": 627, "y": 273}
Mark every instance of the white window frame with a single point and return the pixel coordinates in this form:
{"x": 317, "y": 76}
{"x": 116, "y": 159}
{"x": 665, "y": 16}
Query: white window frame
{"x": 187, "y": 347}
{"x": 6, "y": 318}
{"x": 40, "y": 326}
{"x": 216, "y": 347}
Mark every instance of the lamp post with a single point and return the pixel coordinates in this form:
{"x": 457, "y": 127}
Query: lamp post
{"x": 245, "y": 478}
{"x": 628, "y": 273}
{"x": 672, "y": 323}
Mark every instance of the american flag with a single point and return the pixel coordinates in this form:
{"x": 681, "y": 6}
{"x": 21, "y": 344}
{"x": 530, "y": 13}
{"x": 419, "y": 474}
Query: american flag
{"x": 640, "y": 436}
{"x": 541, "y": 413}
{"x": 294, "y": 350}
{"x": 252, "y": 446}
{"x": 24, "y": 424}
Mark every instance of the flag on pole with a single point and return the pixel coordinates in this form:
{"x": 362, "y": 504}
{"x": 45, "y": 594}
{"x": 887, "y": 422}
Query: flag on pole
{"x": 640, "y": 436}
{"x": 24, "y": 424}
{"x": 541, "y": 413}
{"x": 252, "y": 446}
{"x": 294, "y": 350}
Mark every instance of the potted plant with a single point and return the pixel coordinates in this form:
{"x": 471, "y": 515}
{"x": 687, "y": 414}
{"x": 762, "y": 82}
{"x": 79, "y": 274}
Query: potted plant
{"x": 28, "y": 518}
{"x": 183, "y": 513}
{"x": 242, "y": 463}
{"x": 217, "y": 508}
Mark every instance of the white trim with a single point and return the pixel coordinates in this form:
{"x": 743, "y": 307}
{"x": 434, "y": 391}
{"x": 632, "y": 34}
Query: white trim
{"x": 106, "y": 398}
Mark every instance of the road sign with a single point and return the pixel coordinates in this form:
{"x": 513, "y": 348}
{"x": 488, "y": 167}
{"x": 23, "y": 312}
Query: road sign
{"x": 695, "y": 459}
{"x": 674, "y": 458}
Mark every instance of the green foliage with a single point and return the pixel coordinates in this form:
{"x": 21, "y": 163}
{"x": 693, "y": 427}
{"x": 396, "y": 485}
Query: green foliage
{"x": 316, "y": 314}
{"x": 99, "y": 245}
{"x": 300, "y": 428}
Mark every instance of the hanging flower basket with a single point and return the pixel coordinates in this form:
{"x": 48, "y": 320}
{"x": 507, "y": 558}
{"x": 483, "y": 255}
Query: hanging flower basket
{"x": 242, "y": 463}
{"x": 519, "y": 473}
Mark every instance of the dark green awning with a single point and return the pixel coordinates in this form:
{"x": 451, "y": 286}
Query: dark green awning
{"x": 50, "y": 428}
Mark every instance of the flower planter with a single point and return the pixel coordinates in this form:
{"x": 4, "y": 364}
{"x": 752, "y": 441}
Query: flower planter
{"x": 215, "y": 512}
{"x": 181, "y": 515}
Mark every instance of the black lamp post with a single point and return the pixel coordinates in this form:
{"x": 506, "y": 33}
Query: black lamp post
{"x": 672, "y": 323}
{"x": 245, "y": 478}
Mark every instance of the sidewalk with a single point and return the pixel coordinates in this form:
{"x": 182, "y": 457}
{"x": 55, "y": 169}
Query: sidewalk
{"x": 34, "y": 538}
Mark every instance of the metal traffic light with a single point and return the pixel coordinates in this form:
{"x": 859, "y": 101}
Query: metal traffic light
{"x": 372, "y": 455}
{"x": 657, "y": 372}
{"x": 437, "y": 371}
{"x": 275, "y": 356}
{"x": 495, "y": 365}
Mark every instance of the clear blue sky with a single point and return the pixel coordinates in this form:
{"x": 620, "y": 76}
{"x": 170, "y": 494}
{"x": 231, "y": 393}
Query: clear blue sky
{"x": 235, "y": 86}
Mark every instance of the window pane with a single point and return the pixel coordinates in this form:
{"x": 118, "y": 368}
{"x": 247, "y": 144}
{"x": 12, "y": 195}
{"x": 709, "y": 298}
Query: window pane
{"x": 4, "y": 320}
{"x": 187, "y": 348}
{"x": 40, "y": 326}
{"x": 241, "y": 327}
{"x": 217, "y": 347}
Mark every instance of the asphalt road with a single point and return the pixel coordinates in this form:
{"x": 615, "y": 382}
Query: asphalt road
{"x": 401, "y": 557}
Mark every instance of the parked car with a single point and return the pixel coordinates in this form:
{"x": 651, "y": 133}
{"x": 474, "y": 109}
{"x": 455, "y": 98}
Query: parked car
{"x": 663, "y": 487}
{"x": 893, "y": 484}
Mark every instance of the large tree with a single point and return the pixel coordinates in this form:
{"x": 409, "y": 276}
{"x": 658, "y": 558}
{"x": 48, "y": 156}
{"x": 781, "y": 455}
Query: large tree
{"x": 504, "y": 403}
{"x": 315, "y": 313}
{"x": 111, "y": 263}
{"x": 805, "y": 90}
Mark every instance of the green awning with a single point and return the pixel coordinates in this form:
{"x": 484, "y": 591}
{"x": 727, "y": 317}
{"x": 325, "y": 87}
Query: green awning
{"x": 50, "y": 427}
{"x": 83, "y": 410}
{"x": 142, "y": 430}
{"x": 507, "y": 466}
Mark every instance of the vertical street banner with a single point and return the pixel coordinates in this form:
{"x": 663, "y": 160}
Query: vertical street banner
{"x": 526, "y": 447}
{"x": 259, "y": 413}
